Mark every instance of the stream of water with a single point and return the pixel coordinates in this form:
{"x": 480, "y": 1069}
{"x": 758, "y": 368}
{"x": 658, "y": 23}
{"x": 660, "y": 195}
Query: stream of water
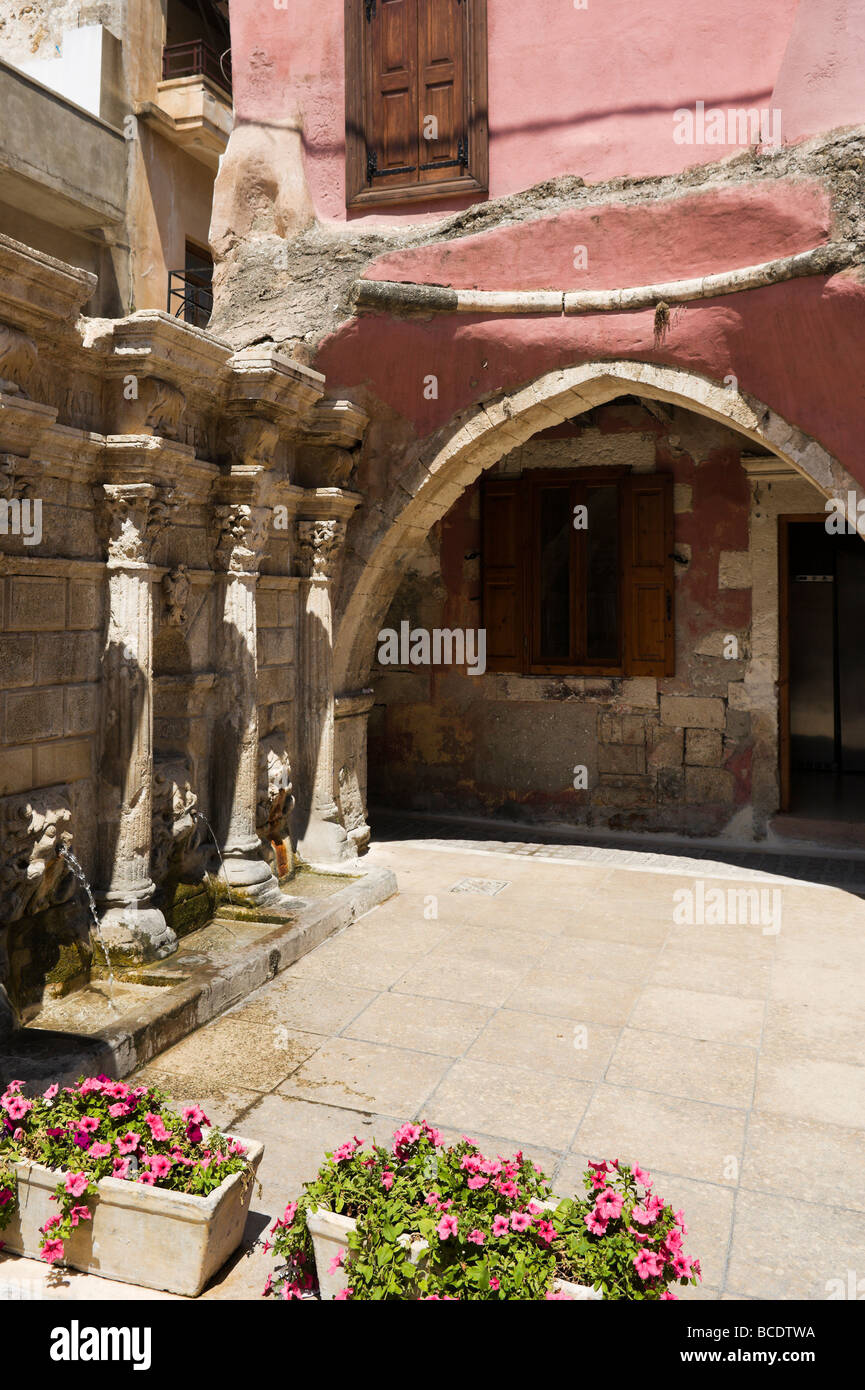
{"x": 97, "y": 928}
{"x": 199, "y": 815}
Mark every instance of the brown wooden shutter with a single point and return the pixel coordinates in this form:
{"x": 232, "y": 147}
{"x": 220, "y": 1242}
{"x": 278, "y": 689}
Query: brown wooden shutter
{"x": 502, "y": 512}
{"x": 392, "y": 90}
{"x": 442, "y": 88}
{"x": 650, "y": 648}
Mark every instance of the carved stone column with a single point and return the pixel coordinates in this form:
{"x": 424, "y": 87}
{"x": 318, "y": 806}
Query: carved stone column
{"x": 133, "y": 514}
{"x": 241, "y": 529}
{"x": 321, "y": 837}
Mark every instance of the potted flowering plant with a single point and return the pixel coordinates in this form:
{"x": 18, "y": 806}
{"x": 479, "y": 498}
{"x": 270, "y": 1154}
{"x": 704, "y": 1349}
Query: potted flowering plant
{"x": 421, "y": 1221}
{"x": 107, "y": 1178}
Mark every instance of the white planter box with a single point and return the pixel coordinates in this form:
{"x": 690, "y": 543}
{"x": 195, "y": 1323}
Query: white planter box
{"x": 140, "y": 1234}
{"x": 330, "y": 1235}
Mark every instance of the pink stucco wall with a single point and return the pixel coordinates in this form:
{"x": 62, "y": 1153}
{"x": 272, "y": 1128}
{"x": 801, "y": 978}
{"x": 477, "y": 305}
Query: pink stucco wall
{"x": 696, "y": 234}
{"x": 590, "y": 92}
{"x": 794, "y": 346}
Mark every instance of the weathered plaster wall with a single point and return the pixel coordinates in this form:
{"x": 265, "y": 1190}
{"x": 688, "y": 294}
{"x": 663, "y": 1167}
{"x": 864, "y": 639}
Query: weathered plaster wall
{"x": 589, "y": 92}
{"x": 695, "y": 752}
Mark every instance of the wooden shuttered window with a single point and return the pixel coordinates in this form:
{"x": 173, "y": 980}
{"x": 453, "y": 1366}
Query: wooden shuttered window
{"x": 416, "y": 122}
{"x": 585, "y": 599}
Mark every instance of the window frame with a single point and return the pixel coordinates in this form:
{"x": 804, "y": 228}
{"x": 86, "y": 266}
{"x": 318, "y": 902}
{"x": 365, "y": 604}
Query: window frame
{"x": 358, "y": 193}
{"x": 578, "y": 481}
{"x": 528, "y": 488}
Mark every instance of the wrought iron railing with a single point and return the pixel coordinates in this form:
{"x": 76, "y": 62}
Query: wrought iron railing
{"x": 190, "y": 297}
{"x": 190, "y": 59}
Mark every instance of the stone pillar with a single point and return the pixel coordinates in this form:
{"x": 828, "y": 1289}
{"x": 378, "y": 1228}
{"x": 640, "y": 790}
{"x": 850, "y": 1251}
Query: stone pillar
{"x": 241, "y": 531}
{"x": 133, "y": 514}
{"x": 321, "y": 838}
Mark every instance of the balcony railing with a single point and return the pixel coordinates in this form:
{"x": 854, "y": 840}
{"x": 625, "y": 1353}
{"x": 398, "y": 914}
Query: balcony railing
{"x": 194, "y": 59}
{"x": 190, "y": 297}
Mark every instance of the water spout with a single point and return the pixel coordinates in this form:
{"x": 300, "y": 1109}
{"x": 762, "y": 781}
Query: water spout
{"x": 97, "y": 926}
{"x": 199, "y": 815}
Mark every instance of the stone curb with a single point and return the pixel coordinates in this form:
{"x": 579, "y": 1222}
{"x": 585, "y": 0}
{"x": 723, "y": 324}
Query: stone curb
{"x": 214, "y": 985}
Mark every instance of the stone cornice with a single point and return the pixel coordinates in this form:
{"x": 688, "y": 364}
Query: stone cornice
{"x": 23, "y": 423}
{"x": 148, "y": 458}
{"x": 328, "y": 503}
{"x": 341, "y": 424}
{"x": 263, "y": 379}
{"x": 38, "y": 292}
{"x": 153, "y": 343}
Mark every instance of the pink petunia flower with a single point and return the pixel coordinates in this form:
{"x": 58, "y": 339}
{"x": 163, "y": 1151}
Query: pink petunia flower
{"x": 336, "y": 1262}
{"x": 520, "y": 1221}
{"x": 447, "y": 1227}
{"x": 53, "y": 1251}
{"x": 608, "y": 1204}
{"x": 99, "y": 1150}
{"x": 501, "y": 1226}
{"x": 594, "y": 1223}
{"x": 121, "y": 1168}
{"x": 157, "y": 1127}
{"x": 476, "y": 1237}
{"x": 387, "y": 1179}
{"x": 643, "y": 1177}
{"x": 343, "y": 1295}
{"x": 159, "y": 1165}
{"x": 667, "y": 1297}
{"x": 76, "y": 1183}
{"x": 127, "y": 1143}
{"x": 88, "y": 1124}
{"x": 477, "y": 1182}
{"x": 648, "y": 1264}
{"x": 50, "y": 1093}
{"x": 17, "y": 1107}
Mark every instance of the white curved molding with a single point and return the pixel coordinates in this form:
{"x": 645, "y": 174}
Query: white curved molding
{"x": 407, "y": 296}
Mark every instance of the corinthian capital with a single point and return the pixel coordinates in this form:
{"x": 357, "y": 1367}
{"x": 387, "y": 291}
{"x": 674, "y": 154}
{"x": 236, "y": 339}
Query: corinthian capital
{"x": 319, "y": 545}
{"x": 241, "y": 531}
{"x": 131, "y": 517}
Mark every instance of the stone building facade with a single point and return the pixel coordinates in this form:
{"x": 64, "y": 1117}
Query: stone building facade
{"x": 596, "y": 257}
{"x": 174, "y": 515}
{"x": 229, "y": 519}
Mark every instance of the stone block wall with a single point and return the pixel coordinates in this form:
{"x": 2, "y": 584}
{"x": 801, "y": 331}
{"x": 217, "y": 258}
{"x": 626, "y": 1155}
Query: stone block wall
{"x": 695, "y": 752}
{"x": 153, "y": 623}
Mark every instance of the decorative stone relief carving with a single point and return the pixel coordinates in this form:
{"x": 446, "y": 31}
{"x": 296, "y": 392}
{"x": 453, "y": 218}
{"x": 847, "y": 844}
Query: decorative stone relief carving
{"x": 326, "y": 467}
{"x": 33, "y": 876}
{"x": 319, "y": 546}
{"x": 158, "y": 408}
{"x": 132, "y": 516}
{"x": 19, "y": 358}
{"x": 274, "y": 788}
{"x": 176, "y": 831}
{"x": 17, "y": 477}
{"x": 241, "y": 531}
{"x": 176, "y": 588}
{"x": 256, "y": 441}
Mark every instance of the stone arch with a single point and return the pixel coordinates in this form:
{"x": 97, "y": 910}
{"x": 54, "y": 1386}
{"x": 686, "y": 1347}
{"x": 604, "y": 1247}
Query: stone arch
{"x": 451, "y": 459}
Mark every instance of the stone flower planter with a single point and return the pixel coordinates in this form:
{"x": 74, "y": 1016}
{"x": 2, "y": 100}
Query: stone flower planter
{"x": 330, "y": 1235}
{"x": 166, "y": 1240}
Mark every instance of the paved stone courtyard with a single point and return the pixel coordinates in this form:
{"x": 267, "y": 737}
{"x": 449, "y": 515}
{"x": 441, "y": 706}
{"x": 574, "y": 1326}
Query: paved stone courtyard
{"x": 568, "y": 1014}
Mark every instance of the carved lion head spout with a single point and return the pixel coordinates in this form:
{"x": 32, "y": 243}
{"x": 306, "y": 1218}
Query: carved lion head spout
{"x": 274, "y": 788}
{"x": 177, "y": 833}
{"x": 18, "y": 362}
{"x": 34, "y": 875}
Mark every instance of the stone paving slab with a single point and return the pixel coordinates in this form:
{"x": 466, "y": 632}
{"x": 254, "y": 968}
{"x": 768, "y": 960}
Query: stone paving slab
{"x": 569, "y": 1015}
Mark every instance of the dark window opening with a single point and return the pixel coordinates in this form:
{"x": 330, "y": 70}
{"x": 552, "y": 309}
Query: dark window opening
{"x": 577, "y": 573}
{"x": 190, "y": 291}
